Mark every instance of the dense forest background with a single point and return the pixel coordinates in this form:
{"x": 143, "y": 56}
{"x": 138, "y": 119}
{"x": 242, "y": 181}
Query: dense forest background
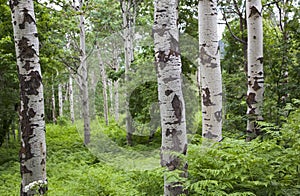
{"x": 268, "y": 165}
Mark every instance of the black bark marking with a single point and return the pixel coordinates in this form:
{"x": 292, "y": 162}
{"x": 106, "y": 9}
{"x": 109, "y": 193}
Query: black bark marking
{"x": 24, "y": 170}
{"x": 254, "y": 37}
{"x": 13, "y": 3}
{"x": 26, "y": 51}
{"x": 27, "y": 65}
{"x": 260, "y": 59}
{"x": 206, "y": 97}
{"x": 218, "y": 115}
{"x": 31, "y": 86}
{"x": 256, "y": 86}
{"x": 43, "y": 162}
{"x": 177, "y": 107}
{"x": 27, "y": 18}
{"x": 168, "y": 92}
{"x": 205, "y": 58}
{"x": 209, "y": 135}
{"x": 31, "y": 113}
{"x": 251, "y": 99}
{"x": 173, "y": 164}
{"x": 160, "y": 31}
{"x": 169, "y": 79}
{"x": 184, "y": 149}
{"x": 254, "y": 11}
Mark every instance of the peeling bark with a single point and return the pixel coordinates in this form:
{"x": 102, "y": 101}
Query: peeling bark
{"x": 255, "y": 67}
{"x": 210, "y": 71}
{"x": 172, "y": 107}
{"x": 32, "y": 122}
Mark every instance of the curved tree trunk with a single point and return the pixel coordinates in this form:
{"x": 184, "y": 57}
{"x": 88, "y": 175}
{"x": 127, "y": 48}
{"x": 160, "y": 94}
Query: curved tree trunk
{"x": 172, "y": 107}
{"x": 211, "y": 78}
{"x": 33, "y": 149}
{"x": 255, "y": 67}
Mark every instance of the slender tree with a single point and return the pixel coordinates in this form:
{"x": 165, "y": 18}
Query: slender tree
{"x": 104, "y": 84}
{"x": 255, "y": 66}
{"x": 71, "y": 99}
{"x": 33, "y": 149}
{"x": 60, "y": 101}
{"x": 128, "y": 15}
{"x": 211, "y": 79}
{"x": 172, "y": 107}
{"x": 84, "y": 76}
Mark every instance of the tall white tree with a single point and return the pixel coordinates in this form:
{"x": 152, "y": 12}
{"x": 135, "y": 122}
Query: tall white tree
{"x": 104, "y": 85}
{"x": 71, "y": 99}
{"x": 60, "y": 100}
{"x": 83, "y": 75}
{"x": 210, "y": 70}
{"x": 255, "y": 66}
{"x": 128, "y": 15}
{"x": 33, "y": 144}
{"x": 172, "y": 106}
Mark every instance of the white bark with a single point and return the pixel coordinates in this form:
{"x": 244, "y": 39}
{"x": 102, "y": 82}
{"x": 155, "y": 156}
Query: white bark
{"x": 128, "y": 49}
{"x": 172, "y": 107}
{"x": 210, "y": 70}
{"x": 33, "y": 149}
{"x": 84, "y": 78}
{"x": 104, "y": 86}
{"x": 71, "y": 99}
{"x": 111, "y": 95}
{"x": 53, "y": 103}
{"x": 60, "y": 101}
{"x": 255, "y": 66}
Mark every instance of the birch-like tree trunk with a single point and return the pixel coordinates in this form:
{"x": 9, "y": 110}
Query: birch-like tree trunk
{"x": 104, "y": 85}
{"x": 33, "y": 149}
{"x": 211, "y": 79}
{"x": 255, "y": 66}
{"x": 53, "y": 103}
{"x": 172, "y": 106}
{"x": 128, "y": 18}
{"x": 84, "y": 77}
{"x": 71, "y": 99}
{"x": 60, "y": 101}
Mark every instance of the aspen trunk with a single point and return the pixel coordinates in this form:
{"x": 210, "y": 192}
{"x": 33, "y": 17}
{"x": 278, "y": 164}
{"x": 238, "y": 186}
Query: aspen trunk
{"x": 127, "y": 36}
{"x": 255, "y": 67}
{"x": 172, "y": 107}
{"x": 53, "y": 104}
{"x": 71, "y": 99}
{"x": 211, "y": 79}
{"x": 60, "y": 101}
{"x": 84, "y": 79}
{"x": 33, "y": 149}
{"x": 104, "y": 86}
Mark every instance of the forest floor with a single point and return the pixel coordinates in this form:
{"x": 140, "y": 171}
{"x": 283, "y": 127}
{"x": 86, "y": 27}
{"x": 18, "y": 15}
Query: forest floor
{"x": 73, "y": 169}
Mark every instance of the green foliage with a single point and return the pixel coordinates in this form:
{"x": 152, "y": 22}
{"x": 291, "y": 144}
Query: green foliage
{"x": 265, "y": 166}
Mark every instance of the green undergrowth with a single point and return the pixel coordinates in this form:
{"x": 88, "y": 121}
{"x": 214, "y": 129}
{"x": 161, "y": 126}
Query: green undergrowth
{"x": 72, "y": 169}
{"x": 266, "y": 166}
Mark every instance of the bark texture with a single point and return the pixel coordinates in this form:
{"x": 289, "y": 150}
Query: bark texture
{"x": 128, "y": 16}
{"x": 33, "y": 149}
{"x": 84, "y": 78}
{"x": 104, "y": 85}
{"x": 60, "y": 100}
{"x": 211, "y": 79}
{"x": 172, "y": 107}
{"x": 255, "y": 66}
{"x": 71, "y": 99}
